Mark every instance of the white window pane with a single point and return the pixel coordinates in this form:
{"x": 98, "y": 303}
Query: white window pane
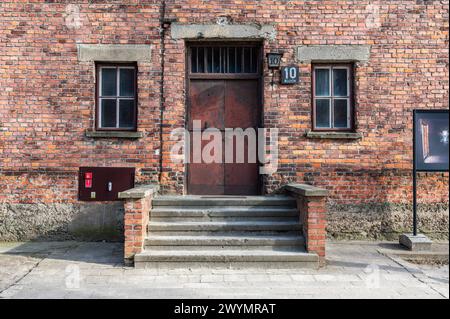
{"x": 340, "y": 113}
{"x": 127, "y": 80}
{"x": 322, "y": 113}
{"x": 340, "y": 82}
{"x": 108, "y": 113}
{"x": 109, "y": 82}
{"x": 126, "y": 113}
{"x": 322, "y": 82}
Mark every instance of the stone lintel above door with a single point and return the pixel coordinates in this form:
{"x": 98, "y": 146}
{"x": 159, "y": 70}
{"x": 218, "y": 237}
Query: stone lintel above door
{"x": 219, "y": 31}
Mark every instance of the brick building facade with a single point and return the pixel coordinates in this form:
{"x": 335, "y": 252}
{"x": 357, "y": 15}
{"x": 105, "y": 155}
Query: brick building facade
{"x": 397, "y": 50}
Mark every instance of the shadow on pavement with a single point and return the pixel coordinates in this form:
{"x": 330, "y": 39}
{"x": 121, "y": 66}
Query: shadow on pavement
{"x": 83, "y": 252}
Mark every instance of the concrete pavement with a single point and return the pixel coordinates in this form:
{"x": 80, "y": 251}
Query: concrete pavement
{"x": 95, "y": 270}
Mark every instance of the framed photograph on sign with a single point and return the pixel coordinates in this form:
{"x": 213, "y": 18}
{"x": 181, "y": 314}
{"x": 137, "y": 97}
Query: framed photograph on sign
{"x": 431, "y": 140}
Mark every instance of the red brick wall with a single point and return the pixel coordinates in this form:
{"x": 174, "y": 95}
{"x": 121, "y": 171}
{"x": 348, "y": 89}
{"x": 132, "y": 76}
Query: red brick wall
{"x": 409, "y": 52}
{"x": 47, "y": 98}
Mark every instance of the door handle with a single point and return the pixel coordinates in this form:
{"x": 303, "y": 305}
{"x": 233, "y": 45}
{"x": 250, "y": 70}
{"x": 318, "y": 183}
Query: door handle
{"x": 109, "y": 186}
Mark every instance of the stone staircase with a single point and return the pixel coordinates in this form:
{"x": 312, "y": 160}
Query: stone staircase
{"x": 230, "y": 230}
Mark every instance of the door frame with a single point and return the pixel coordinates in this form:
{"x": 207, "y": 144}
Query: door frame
{"x": 259, "y": 76}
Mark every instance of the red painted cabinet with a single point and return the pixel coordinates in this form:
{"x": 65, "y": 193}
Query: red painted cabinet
{"x": 104, "y": 183}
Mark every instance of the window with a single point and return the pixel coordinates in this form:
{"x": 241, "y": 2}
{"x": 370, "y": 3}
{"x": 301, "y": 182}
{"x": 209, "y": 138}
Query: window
{"x": 332, "y": 97}
{"x": 116, "y": 102}
{"x": 223, "y": 59}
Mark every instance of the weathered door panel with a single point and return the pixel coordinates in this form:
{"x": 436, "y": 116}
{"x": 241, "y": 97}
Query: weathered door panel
{"x": 241, "y": 111}
{"x": 241, "y": 103}
{"x": 207, "y": 100}
{"x": 205, "y": 178}
{"x": 207, "y": 103}
{"x": 223, "y": 104}
{"x": 241, "y": 178}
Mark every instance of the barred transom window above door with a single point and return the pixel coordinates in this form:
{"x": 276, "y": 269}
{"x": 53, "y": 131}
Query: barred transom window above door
{"x": 222, "y": 59}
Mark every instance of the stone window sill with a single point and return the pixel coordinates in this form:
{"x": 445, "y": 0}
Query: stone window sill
{"x": 334, "y": 135}
{"x": 113, "y": 134}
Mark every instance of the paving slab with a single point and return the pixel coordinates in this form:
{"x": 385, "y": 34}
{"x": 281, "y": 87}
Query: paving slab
{"x": 73, "y": 270}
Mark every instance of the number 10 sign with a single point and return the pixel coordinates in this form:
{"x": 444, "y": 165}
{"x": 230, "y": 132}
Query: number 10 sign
{"x": 289, "y": 75}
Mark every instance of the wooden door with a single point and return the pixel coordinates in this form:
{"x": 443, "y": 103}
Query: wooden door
{"x": 224, "y": 104}
{"x": 224, "y": 92}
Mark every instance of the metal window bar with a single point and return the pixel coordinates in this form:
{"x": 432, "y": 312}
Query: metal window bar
{"x": 205, "y": 59}
{"x": 212, "y": 60}
{"x": 236, "y": 58}
{"x": 228, "y": 60}
{"x": 196, "y": 58}
{"x": 251, "y": 61}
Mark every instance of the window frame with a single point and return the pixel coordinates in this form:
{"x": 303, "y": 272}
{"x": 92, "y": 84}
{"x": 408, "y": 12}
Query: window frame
{"x": 98, "y": 68}
{"x": 350, "y": 91}
{"x": 255, "y": 45}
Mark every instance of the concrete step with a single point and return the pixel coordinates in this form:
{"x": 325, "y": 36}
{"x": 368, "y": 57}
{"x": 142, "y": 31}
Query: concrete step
{"x": 150, "y": 257}
{"x": 240, "y": 265}
{"x": 223, "y": 219}
{"x": 227, "y": 233}
{"x": 224, "y": 226}
{"x": 209, "y": 200}
{"x": 225, "y": 212}
{"x": 243, "y": 239}
{"x": 220, "y": 248}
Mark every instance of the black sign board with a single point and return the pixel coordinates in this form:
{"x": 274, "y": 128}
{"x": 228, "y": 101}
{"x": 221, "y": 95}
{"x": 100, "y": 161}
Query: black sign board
{"x": 289, "y": 75}
{"x": 274, "y": 60}
{"x": 431, "y": 140}
{"x": 430, "y": 147}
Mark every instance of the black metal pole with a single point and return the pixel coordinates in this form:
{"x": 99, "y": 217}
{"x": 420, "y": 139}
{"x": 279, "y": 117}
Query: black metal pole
{"x": 414, "y": 203}
{"x": 414, "y": 177}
